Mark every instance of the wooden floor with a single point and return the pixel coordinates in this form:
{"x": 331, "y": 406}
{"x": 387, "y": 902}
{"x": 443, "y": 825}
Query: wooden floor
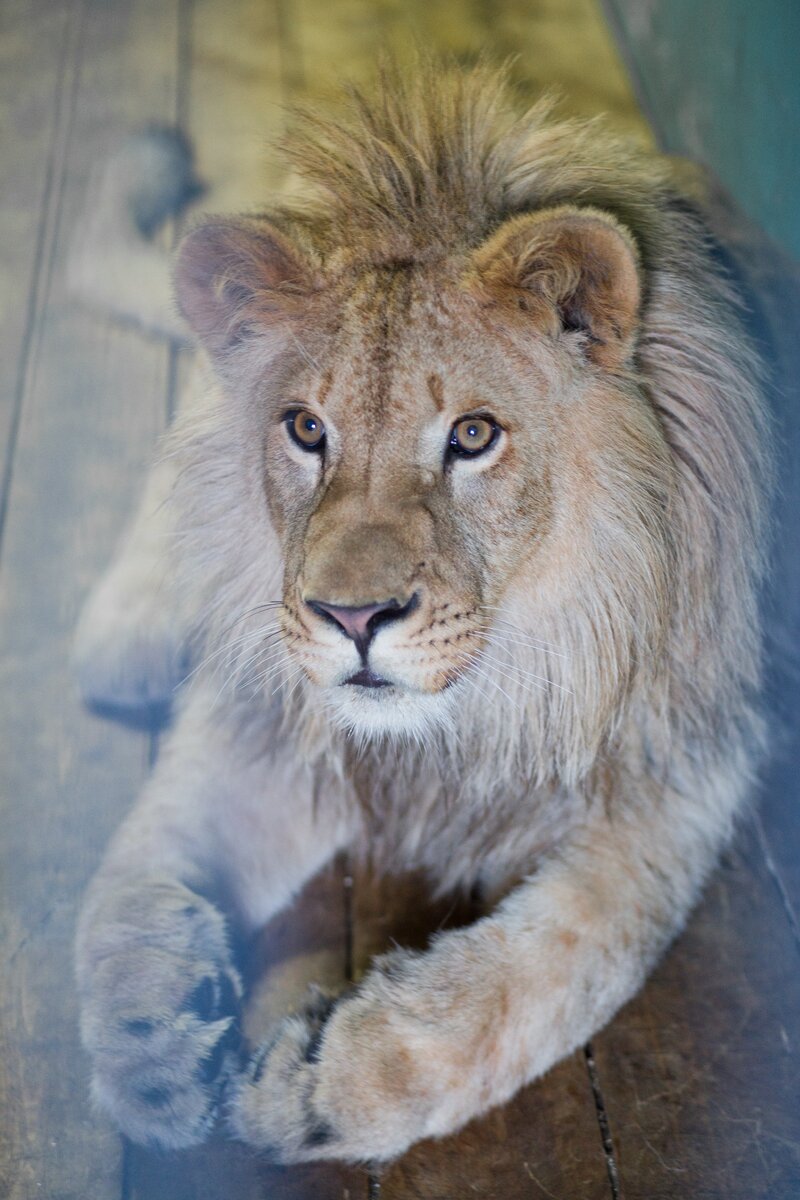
{"x": 694, "y": 1091}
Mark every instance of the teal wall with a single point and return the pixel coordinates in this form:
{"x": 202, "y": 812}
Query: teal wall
{"x": 720, "y": 82}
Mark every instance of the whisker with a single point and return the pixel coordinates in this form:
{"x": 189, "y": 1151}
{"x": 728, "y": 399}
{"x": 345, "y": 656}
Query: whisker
{"x": 311, "y": 362}
{"x": 240, "y": 668}
{"x": 294, "y": 687}
{"x": 263, "y": 657}
{"x": 510, "y": 624}
{"x": 494, "y": 684}
{"x": 543, "y": 679}
{"x": 297, "y": 671}
{"x": 472, "y": 681}
{"x": 251, "y": 636}
{"x": 264, "y": 633}
{"x": 495, "y": 666}
{"x": 250, "y": 613}
{"x": 522, "y": 639}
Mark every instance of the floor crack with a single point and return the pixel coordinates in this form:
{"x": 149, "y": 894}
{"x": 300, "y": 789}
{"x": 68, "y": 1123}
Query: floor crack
{"x": 774, "y": 873}
{"x": 603, "y": 1122}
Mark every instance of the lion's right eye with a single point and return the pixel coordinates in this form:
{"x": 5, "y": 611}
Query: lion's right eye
{"x": 305, "y": 430}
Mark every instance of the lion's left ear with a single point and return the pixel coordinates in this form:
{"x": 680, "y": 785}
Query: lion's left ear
{"x": 573, "y": 269}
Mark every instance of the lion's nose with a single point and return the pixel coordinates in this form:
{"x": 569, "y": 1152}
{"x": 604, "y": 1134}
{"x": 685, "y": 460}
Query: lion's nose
{"x": 359, "y": 622}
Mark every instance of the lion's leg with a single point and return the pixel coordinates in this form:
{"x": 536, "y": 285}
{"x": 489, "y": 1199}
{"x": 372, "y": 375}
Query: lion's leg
{"x": 428, "y": 1041}
{"x": 158, "y": 985}
{"x": 131, "y": 642}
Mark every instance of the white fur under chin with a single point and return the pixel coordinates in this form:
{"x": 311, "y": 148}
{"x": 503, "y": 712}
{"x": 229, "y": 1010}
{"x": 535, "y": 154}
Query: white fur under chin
{"x": 397, "y": 713}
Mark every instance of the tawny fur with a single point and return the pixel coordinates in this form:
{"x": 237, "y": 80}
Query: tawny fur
{"x": 572, "y": 723}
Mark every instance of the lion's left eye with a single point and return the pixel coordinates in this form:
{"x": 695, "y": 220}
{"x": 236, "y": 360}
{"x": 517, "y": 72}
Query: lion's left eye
{"x": 473, "y": 435}
{"x": 306, "y": 430}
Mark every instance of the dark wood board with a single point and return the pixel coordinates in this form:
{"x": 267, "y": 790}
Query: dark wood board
{"x": 701, "y": 1072}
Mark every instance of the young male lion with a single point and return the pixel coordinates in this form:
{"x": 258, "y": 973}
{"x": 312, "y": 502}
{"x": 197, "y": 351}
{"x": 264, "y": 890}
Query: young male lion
{"x": 471, "y": 507}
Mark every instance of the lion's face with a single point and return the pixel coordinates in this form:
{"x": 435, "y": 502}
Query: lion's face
{"x": 452, "y": 452}
{"x": 409, "y": 482}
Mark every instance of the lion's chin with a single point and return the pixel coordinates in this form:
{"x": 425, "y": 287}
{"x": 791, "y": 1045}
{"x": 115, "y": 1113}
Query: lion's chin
{"x": 389, "y": 711}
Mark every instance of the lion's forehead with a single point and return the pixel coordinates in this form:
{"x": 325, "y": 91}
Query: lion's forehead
{"x": 407, "y": 345}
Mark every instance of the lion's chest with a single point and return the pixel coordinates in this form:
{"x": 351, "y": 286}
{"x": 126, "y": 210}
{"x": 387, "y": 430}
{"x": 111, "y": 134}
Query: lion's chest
{"x": 460, "y": 837}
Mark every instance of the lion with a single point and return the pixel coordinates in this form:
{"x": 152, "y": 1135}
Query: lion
{"x": 462, "y": 531}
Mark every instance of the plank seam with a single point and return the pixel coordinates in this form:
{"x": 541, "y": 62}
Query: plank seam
{"x": 773, "y": 870}
{"x": 183, "y": 74}
{"x": 603, "y": 1123}
{"x": 44, "y": 250}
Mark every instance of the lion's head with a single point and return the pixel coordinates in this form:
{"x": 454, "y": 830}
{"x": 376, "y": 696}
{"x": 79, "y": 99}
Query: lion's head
{"x": 487, "y": 421}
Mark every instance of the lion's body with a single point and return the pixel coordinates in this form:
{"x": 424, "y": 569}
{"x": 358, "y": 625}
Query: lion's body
{"x": 570, "y": 720}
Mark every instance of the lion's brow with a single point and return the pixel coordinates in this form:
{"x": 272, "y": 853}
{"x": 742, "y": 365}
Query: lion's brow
{"x": 325, "y": 385}
{"x": 436, "y": 389}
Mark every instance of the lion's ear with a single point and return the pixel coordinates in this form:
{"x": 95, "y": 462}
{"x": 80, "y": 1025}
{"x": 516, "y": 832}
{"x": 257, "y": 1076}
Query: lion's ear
{"x": 573, "y": 269}
{"x": 237, "y": 277}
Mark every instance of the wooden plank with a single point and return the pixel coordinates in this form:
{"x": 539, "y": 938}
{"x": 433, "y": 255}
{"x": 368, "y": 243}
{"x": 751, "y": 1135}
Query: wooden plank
{"x": 37, "y": 54}
{"x": 93, "y": 402}
{"x": 234, "y": 105}
{"x": 699, "y": 1074}
{"x": 544, "y": 1142}
{"x": 777, "y": 280}
{"x": 570, "y": 51}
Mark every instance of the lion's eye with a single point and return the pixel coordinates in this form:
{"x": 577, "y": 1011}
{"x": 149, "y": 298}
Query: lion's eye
{"x": 473, "y": 435}
{"x": 306, "y": 430}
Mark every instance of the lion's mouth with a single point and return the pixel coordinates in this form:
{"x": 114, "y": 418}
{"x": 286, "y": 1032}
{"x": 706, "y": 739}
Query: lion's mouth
{"x": 367, "y": 678}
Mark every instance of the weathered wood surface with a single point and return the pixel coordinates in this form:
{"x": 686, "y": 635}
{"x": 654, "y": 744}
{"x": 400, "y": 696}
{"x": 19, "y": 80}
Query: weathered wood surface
{"x": 696, "y": 1080}
{"x": 701, "y": 1072}
{"x": 37, "y": 58}
{"x": 92, "y": 402}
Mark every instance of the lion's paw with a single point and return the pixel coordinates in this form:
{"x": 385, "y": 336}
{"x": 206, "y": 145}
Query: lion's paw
{"x": 329, "y": 1085}
{"x": 163, "y": 1029}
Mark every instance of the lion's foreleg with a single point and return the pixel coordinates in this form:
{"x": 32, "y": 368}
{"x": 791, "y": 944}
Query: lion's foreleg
{"x": 428, "y": 1041}
{"x": 159, "y": 989}
{"x": 131, "y": 643}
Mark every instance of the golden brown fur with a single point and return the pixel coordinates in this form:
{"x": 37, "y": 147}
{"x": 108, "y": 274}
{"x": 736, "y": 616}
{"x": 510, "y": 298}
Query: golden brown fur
{"x": 571, "y": 720}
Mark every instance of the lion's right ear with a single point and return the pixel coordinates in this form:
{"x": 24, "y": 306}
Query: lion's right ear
{"x": 237, "y": 278}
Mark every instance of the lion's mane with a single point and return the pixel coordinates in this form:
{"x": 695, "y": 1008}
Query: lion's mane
{"x": 661, "y": 639}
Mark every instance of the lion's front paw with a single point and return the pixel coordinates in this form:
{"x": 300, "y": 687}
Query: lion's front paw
{"x": 335, "y": 1081}
{"x": 272, "y": 1104}
{"x": 161, "y": 1021}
